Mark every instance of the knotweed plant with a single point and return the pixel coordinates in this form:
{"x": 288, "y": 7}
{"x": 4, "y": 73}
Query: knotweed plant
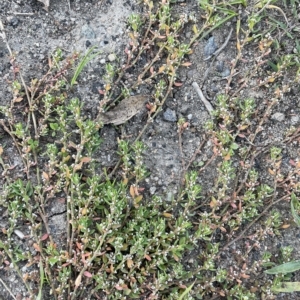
{"x": 118, "y": 242}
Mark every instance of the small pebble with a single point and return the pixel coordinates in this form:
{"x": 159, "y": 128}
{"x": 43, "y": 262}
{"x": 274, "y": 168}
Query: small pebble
{"x": 112, "y": 57}
{"x": 189, "y": 116}
{"x": 220, "y": 66}
{"x": 225, "y": 73}
{"x": 152, "y": 190}
{"x": 88, "y": 32}
{"x": 19, "y": 234}
{"x": 24, "y": 269}
{"x": 210, "y": 47}
{"x": 87, "y": 43}
{"x": 294, "y": 120}
{"x": 191, "y": 73}
{"x": 102, "y": 61}
{"x": 14, "y": 22}
{"x": 170, "y": 115}
{"x": 278, "y": 117}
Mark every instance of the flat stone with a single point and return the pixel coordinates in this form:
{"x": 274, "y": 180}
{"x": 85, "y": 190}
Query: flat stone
{"x": 294, "y": 120}
{"x": 170, "y": 115}
{"x": 210, "y": 47}
{"x": 152, "y": 190}
{"x": 88, "y": 32}
{"x": 278, "y": 116}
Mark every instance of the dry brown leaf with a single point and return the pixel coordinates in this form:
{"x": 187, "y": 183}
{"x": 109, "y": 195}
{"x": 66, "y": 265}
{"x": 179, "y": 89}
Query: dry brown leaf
{"x": 167, "y": 215}
{"x": 18, "y": 99}
{"x": 36, "y": 247}
{"x": 129, "y": 263}
{"x": 78, "y": 281}
{"x": 124, "y": 111}
{"x": 178, "y": 83}
{"x": 186, "y": 64}
{"x": 44, "y": 237}
{"x": 213, "y": 203}
{"x": 271, "y": 171}
{"x": 86, "y": 159}
{"x": 148, "y": 257}
{"x": 227, "y": 156}
{"x": 46, "y": 176}
{"x": 131, "y": 191}
{"x": 87, "y": 274}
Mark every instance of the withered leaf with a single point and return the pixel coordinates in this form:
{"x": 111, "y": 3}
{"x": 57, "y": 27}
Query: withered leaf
{"x": 124, "y": 111}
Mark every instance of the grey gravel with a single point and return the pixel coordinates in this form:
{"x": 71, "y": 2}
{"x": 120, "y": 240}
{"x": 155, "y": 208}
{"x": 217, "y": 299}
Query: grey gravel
{"x": 294, "y": 120}
{"x": 88, "y": 32}
{"x": 152, "y": 190}
{"x": 170, "y": 115}
{"x": 278, "y": 116}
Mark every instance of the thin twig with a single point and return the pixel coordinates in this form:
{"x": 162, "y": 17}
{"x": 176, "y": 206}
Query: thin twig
{"x": 23, "y": 14}
{"x": 202, "y": 98}
{"x": 180, "y": 149}
{"x": 207, "y": 163}
{"x": 6, "y": 287}
{"x": 218, "y": 51}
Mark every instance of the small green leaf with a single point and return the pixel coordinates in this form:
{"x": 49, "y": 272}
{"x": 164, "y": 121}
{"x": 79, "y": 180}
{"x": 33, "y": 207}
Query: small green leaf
{"x": 53, "y": 261}
{"x": 234, "y": 146}
{"x": 84, "y": 61}
{"x": 287, "y": 287}
{"x": 53, "y": 126}
{"x": 185, "y": 293}
{"x": 294, "y": 205}
{"x": 289, "y": 267}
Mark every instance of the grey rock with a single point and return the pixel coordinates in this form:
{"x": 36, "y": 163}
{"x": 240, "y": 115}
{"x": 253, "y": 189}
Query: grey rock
{"x": 294, "y": 120}
{"x": 220, "y": 66}
{"x": 190, "y": 116}
{"x": 210, "y": 47}
{"x": 278, "y": 117}
{"x": 152, "y": 190}
{"x": 170, "y": 115}
{"x": 112, "y": 57}
{"x": 14, "y": 22}
{"x": 188, "y": 34}
{"x": 225, "y": 73}
{"x": 191, "y": 73}
{"x": 88, "y": 32}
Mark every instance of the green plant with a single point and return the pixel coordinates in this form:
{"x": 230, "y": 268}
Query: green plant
{"x": 119, "y": 242}
{"x": 283, "y": 286}
{"x": 83, "y": 62}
